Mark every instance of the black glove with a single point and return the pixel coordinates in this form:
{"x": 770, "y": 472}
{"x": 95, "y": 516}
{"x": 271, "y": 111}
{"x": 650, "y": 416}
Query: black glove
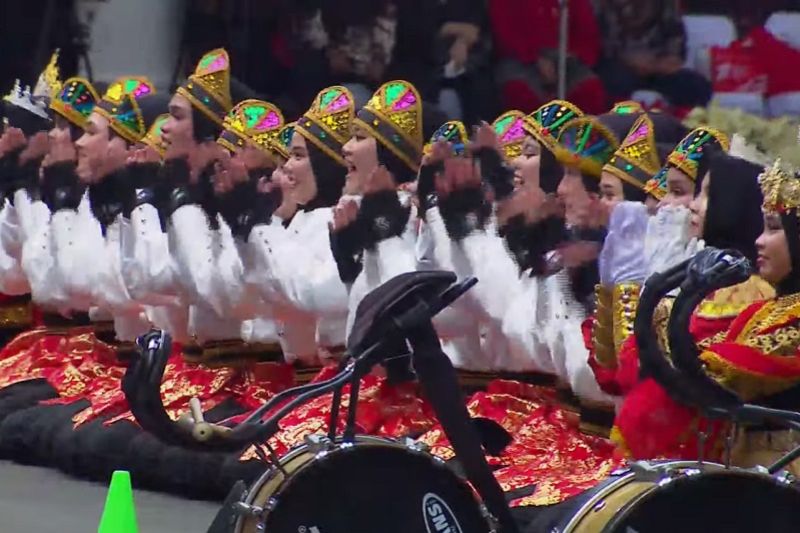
{"x": 24, "y": 176}
{"x": 179, "y": 192}
{"x": 60, "y": 187}
{"x": 244, "y": 207}
{"x": 106, "y": 198}
{"x": 347, "y": 246}
{"x": 140, "y": 186}
{"x": 381, "y": 217}
{"x": 426, "y": 186}
{"x": 496, "y": 173}
{"x": 464, "y": 211}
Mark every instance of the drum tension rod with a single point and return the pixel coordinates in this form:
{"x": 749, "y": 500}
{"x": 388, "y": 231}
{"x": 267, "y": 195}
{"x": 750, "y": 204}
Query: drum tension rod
{"x": 729, "y": 439}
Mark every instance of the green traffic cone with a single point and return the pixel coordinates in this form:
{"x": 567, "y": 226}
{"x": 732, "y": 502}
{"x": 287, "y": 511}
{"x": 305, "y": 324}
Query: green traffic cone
{"x": 119, "y": 514}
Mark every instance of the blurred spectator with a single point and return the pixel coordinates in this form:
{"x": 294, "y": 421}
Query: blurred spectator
{"x": 761, "y": 62}
{"x": 526, "y": 36}
{"x": 362, "y": 43}
{"x": 644, "y": 48}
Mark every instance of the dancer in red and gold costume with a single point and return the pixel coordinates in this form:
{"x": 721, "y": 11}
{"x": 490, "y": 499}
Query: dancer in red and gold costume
{"x": 752, "y": 356}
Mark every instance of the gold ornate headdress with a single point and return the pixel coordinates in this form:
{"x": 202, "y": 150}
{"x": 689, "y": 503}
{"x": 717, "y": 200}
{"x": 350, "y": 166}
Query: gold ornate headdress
{"x": 394, "y": 117}
{"x": 120, "y": 105}
{"x": 781, "y": 189}
{"x": 686, "y": 156}
{"x": 586, "y": 143}
{"x": 548, "y": 120}
{"x": 49, "y": 82}
{"x": 252, "y": 121}
{"x": 155, "y": 135}
{"x": 636, "y": 160}
{"x": 75, "y": 101}
{"x": 328, "y": 122}
{"x": 511, "y": 128}
{"x": 452, "y": 131}
{"x": 284, "y": 140}
{"x": 209, "y": 88}
{"x": 627, "y": 107}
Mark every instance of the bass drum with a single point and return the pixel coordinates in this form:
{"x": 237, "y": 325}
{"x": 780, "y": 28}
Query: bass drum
{"x": 688, "y": 497}
{"x": 373, "y": 484}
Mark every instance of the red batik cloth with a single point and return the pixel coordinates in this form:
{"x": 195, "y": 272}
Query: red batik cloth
{"x": 384, "y": 409}
{"x": 548, "y": 452}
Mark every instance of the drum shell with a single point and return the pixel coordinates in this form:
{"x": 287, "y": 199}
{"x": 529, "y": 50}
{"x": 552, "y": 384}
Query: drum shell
{"x": 276, "y": 485}
{"x": 610, "y": 505}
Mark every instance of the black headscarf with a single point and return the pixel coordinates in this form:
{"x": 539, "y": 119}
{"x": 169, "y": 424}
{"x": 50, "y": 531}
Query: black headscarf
{"x": 329, "y": 176}
{"x": 733, "y": 216}
{"x": 550, "y": 171}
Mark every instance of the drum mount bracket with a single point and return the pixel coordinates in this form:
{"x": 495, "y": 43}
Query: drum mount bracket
{"x": 659, "y": 473}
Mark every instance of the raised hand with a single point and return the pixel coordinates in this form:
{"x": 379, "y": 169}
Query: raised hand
{"x": 37, "y": 147}
{"x": 344, "y": 214}
{"x": 12, "y": 140}
{"x": 484, "y": 137}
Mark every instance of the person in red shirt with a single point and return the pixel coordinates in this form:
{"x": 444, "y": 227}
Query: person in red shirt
{"x": 526, "y": 36}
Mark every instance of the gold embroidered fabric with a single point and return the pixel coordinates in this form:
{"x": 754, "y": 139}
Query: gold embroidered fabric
{"x": 772, "y": 331}
{"x": 730, "y": 301}
{"x": 603, "y": 328}
{"x": 625, "y": 302}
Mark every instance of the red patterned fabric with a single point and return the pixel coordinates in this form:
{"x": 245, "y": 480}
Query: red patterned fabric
{"x": 548, "y": 451}
{"x": 250, "y": 386}
{"x": 383, "y": 409}
{"x": 39, "y": 353}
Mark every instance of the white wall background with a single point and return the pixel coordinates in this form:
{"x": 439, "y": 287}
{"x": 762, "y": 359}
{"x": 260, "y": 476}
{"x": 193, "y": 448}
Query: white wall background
{"x": 133, "y": 37}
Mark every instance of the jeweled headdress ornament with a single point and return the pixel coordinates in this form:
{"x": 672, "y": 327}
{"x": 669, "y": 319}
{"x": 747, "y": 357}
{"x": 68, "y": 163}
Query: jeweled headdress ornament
{"x": 586, "y": 143}
{"x": 209, "y": 88}
{"x": 548, "y": 120}
{"x": 328, "y": 122}
{"x": 22, "y": 98}
{"x": 75, "y": 101}
{"x": 49, "y": 82}
{"x": 284, "y": 140}
{"x": 120, "y": 106}
{"x": 781, "y": 189}
{"x": 511, "y": 128}
{"x": 252, "y": 121}
{"x": 154, "y": 138}
{"x": 636, "y": 160}
{"x": 394, "y": 116}
{"x": 453, "y": 132}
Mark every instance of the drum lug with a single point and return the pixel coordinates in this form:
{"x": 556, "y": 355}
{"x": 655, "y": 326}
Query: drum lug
{"x": 245, "y": 509}
{"x": 785, "y": 477}
{"x": 416, "y": 446}
{"x": 318, "y": 444}
{"x": 659, "y": 473}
